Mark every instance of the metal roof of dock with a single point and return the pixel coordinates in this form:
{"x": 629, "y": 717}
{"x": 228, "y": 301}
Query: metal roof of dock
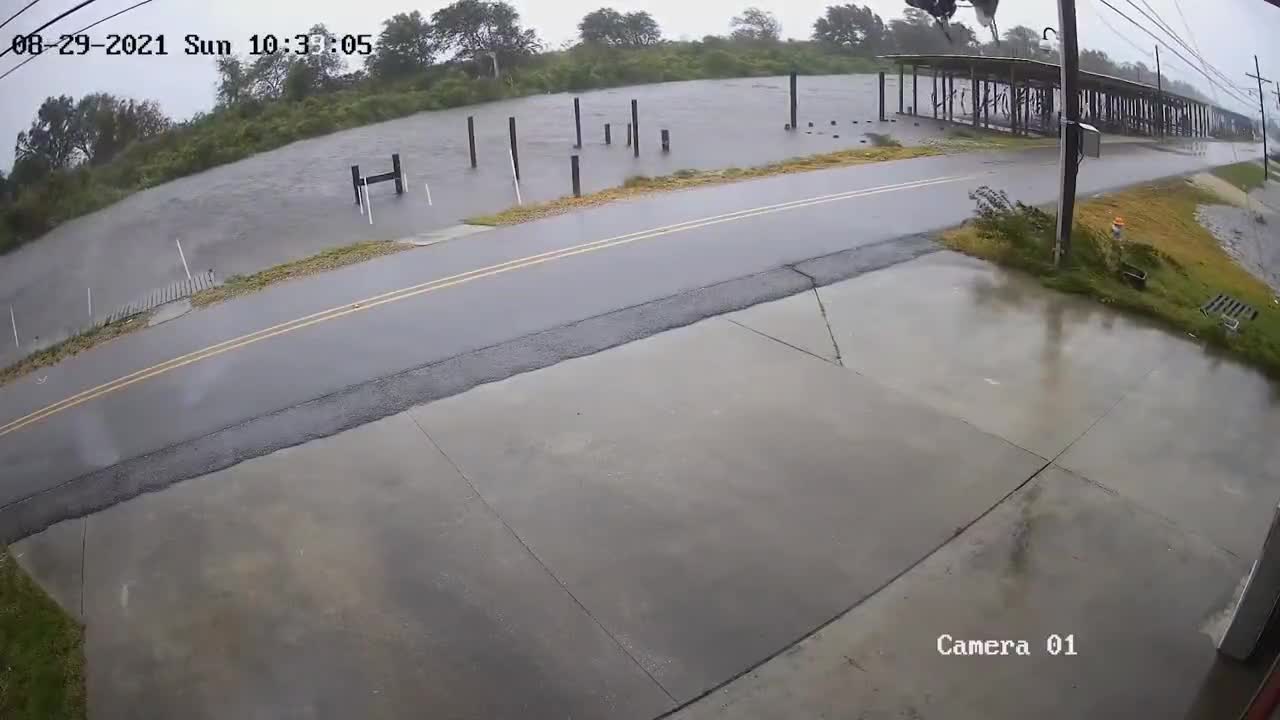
{"x": 1038, "y": 71}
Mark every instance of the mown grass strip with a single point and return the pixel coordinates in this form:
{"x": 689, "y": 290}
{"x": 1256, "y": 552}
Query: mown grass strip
{"x": 41, "y": 652}
{"x": 1185, "y": 264}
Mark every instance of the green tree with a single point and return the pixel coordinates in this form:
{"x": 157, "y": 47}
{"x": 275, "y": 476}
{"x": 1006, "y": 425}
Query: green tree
{"x": 5, "y": 190}
{"x": 103, "y": 125}
{"x": 325, "y": 67}
{"x": 233, "y": 80}
{"x": 268, "y": 75}
{"x": 607, "y": 26}
{"x": 406, "y": 45}
{"x": 918, "y": 32}
{"x": 755, "y": 24}
{"x": 50, "y": 141}
{"x": 639, "y": 29}
{"x": 1022, "y": 41}
{"x": 851, "y": 26}
{"x": 485, "y": 32}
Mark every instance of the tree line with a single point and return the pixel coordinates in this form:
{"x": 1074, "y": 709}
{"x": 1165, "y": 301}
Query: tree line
{"x": 80, "y": 155}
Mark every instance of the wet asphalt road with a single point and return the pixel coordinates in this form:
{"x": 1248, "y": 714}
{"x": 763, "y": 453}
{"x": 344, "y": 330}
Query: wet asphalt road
{"x": 263, "y": 396}
{"x": 297, "y": 200}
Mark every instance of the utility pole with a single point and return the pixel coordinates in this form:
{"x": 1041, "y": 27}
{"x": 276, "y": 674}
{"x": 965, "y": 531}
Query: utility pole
{"x": 1262, "y": 106}
{"x": 1159, "y": 90}
{"x": 1069, "y": 151}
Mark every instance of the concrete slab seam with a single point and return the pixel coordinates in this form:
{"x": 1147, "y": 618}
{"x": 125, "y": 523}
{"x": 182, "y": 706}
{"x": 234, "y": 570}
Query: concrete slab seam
{"x": 84, "y": 545}
{"x": 546, "y": 568}
{"x": 1165, "y": 519}
{"x": 374, "y": 399}
{"x": 767, "y": 336}
{"x": 824, "y": 624}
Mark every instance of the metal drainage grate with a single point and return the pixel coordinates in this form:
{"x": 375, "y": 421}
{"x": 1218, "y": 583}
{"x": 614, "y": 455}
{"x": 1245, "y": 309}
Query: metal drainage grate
{"x": 1228, "y": 307}
{"x": 175, "y": 291}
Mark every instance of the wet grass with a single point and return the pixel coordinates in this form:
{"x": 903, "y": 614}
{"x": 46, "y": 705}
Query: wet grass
{"x": 640, "y": 185}
{"x": 1244, "y": 175}
{"x": 885, "y": 148}
{"x": 41, "y": 652}
{"x": 235, "y": 286}
{"x": 1185, "y": 264}
{"x": 238, "y": 285}
{"x": 967, "y": 139}
{"x": 72, "y": 346}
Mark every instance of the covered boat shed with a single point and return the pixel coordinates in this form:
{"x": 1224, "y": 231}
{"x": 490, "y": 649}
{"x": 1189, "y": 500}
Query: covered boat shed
{"x": 1024, "y": 96}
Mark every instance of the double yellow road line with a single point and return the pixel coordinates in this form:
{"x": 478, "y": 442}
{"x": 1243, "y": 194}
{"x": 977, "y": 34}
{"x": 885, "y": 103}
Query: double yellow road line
{"x": 440, "y": 284}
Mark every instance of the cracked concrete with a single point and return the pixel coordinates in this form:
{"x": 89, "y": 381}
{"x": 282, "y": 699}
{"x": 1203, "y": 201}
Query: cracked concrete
{"x": 669, "y": 522}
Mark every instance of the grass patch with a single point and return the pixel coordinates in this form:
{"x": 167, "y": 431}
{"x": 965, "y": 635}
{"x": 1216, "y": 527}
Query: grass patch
{"x": 639, "y": 185}
{"x": 1184, "y": 263}
{"x": 238, "y": 285}
{"x": 72, "y": 346}
{"x": 882, "y": 140}
{"x": 1244, "y": 175}
{"x": 970, "y": 139}
{"x": 41, "y": 652}
{"x": 234, "y": 287}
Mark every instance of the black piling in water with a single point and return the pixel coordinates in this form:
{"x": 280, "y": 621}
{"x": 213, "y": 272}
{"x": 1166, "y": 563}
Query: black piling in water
{"x": 471, "y": 138}
{"x": 515, "y": 153}
{"x": 577, "y": 182}
{"x": 882, "y": 118}
{"x": 395, "y": 168}
{"x": 833, "y": 122}
{"x": 577, "y": 124}
{"x": 793, "y": 101}
{"x": 355, "y": 181}
{"x": 608, "y": 138}
{"x": 628, "y": 134}
{"x": 666, "y": 140}
{"x": 811, "y": 123}
{"x": 635, "y": 129}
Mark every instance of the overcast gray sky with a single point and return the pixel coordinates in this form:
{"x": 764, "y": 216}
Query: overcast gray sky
{"x": 1227, "y": 32}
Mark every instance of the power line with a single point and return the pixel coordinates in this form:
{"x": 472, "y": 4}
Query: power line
{"x": 86, "y": 28}
{"x": 1195, "y": 53}
{"x": 86, "y": 3}
{"x": 1157, "y": 38}
{"x": 1122, "y": 36}
{"x": 11, "y": 17}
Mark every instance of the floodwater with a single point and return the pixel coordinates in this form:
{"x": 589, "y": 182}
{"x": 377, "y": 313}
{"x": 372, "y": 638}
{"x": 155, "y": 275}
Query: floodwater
{"x": 297, "y": 200}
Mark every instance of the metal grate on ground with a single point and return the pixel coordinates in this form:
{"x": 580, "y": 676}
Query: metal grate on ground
{"x": 1227, "y": 306}
{"x": 176, "y": 291}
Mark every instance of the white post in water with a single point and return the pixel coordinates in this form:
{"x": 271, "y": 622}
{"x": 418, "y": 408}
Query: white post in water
{"x": 428, "y": 188}
{"x": 365, "y": 185}
{"x": 90, "y": 292}
{"x": 515, "y": 180}
{"x": 404, "y": 177}
{"x": 183, "y": 256}
{"x": 14, "y": 320}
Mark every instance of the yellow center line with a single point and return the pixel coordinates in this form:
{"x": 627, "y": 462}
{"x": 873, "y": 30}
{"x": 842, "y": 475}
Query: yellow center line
{"x": 440, "y": 284}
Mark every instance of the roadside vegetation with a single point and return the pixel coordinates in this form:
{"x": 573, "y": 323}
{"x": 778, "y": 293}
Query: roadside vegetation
{"x": 72, "y": 346}
{"x": 41, "y": 652}
{"x": 1246, "y": 175}
{"x": 883, "y": 148}
{"x": 80, "y": 155}
{"x": 1184, "y": 263}
{"x": 333, "y": 259}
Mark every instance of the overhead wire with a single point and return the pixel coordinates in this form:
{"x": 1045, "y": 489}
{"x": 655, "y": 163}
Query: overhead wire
{"x": 1207, "y": 76}
{"x": 82, "y": 5}
{"x": 1160, "y": 23}
{"x": 11, "y": 17}
{"x": 84, "y": 29}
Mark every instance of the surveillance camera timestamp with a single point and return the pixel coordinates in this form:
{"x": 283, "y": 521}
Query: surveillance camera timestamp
{"x": 192, "y": 44}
